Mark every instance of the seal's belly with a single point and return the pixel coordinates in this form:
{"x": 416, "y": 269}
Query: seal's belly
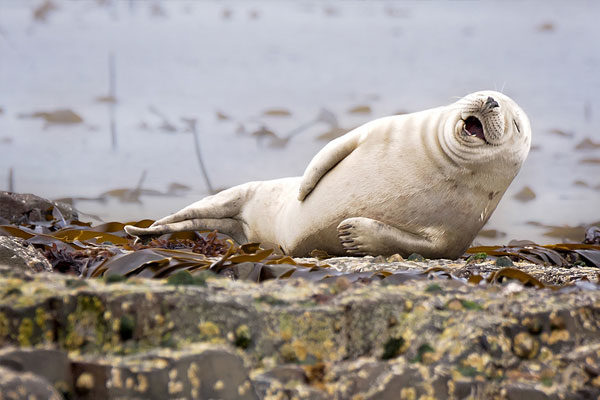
{"x": 398, "y": 192}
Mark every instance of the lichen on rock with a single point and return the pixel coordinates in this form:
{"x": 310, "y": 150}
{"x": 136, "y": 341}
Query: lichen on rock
{"x": 246, "y": 323}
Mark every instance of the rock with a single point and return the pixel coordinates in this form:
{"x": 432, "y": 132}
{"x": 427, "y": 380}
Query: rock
{"x": 91, "y": 379}
{"x": 25, "y": 386}
{"x": 405, "y": 383}
{"x": 286, "y": 373}
{"x": 53, "y": 365}
{"x": 417, "y": 336}
{"x": 197, "y": 371}
{"x": 268, "y": 388}
{"x": 287, "y": 381}
{"x": 467, "y": 389}
{"x": 18, "y": 208}
{"x": 17, "y": 253}
{"x": 357, "y": 376}
{"x": 421, "y": 332}
{"x": 504, "y": 261}
{"x": 527, "y": 392}
{"x": 413, "y": 270}
{"x": 525, "y": 345}
{"x": 592, "y": 235}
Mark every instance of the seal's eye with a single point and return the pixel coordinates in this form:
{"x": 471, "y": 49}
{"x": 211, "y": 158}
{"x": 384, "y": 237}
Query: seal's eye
{"x": 473, "y": 127}
{"x": 516, "y": 125}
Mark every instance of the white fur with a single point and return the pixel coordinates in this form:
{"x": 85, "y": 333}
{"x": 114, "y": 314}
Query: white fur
{"x": 400, "y": 184}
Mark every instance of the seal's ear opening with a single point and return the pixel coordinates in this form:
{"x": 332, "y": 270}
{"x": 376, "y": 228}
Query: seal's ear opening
{"x": 474, "y": 127}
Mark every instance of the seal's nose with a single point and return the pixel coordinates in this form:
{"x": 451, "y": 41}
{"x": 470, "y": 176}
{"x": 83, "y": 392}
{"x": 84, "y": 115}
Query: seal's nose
{"x": 491, "y": 103}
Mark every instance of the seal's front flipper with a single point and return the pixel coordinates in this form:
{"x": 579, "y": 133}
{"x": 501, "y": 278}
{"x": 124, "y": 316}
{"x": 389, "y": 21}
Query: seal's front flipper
{"x": 334, "y": 152}
{"x": 364, "y": 236}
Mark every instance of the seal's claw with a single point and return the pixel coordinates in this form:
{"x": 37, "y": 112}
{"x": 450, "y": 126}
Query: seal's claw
{"x": 355, "y": 250}
{"x": 132, "y": 230}
{"x": 349, "y": 243}
{"x": 140, "y": 235}
{"x": 137, "y": 231}
{"x": 348, "y": 239}
{"x": 358, "y": 236}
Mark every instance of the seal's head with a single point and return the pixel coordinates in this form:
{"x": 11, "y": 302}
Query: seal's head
{"x": 487, "y": 126}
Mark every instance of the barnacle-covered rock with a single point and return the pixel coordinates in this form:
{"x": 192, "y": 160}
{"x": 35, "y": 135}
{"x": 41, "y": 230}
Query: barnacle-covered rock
{"x": 25, "y": 385}
{"x": 54, "y": 365}
{"x": 17, "y": 253}
{"x": 196, "y": 371}
{"x": 415, "y": 336}
{"x": 17, "y": 208}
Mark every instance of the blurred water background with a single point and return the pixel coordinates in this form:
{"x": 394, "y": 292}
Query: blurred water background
{"x": 108, "y": 103}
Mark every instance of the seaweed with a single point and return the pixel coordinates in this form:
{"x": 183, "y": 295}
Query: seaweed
{"x": 189, "y": 258}
{"x": 562, "y": 254}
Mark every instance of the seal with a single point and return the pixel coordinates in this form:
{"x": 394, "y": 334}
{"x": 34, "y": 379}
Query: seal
{"x": 422, "y": 183}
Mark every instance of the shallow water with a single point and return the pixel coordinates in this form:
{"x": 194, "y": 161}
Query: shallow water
{"x": 175, "y": 60}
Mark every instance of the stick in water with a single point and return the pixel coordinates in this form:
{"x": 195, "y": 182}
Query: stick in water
{"x": 11, "y": 182}
{"x": 192, "y": 127}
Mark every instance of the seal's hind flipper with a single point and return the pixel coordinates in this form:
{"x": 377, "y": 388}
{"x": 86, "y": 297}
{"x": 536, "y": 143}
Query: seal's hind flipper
{"x": 228, "y": 226}
{"x": 218, "y": 212}
{"x": 361, "y": 236}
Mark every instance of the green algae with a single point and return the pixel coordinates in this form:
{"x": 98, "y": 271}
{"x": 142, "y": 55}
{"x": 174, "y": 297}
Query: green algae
{"x": 114, "y": 278}
{"x": 41, "y": 320}
{"x": 168, "y": 341}
{"x": 126, "y": 327}
{"x": 467, "y": 371}
{"x": 391, "y": 348}
{"x": 504, "y": 261}
{"x": 477, "y": 257}
{"x": 287, "y": 353}
{"x": 185, "y": 278}
{"x": 311, "y": 334}
{"x": 548, "y": 382}
{"x": 424, "y": 348}
{"x": 25, "y": 332}
{"x": 75, "y": 283}
{"x": 415, "y": 257}
{"x": 41, "y": 317}
{"x": 208, "y": 331}
{"x": 86, "y": 325}
{"x": 471, "y": 305}
{"x": 243, "y": 337}
{"x": 4, "y": 328}
{"x": 270, "y": 300}
{"x": 14, "y": 291}
{"x": 433, "y": 288}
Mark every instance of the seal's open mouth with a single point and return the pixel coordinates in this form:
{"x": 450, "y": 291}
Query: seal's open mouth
{"x": 473, "y": 127}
